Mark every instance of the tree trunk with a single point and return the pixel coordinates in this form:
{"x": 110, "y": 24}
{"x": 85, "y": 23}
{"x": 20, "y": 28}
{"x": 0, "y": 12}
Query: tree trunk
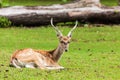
{"x": 41, "y": 15}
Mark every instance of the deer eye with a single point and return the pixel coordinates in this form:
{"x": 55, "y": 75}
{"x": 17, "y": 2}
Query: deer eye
{"x": 61, "y": 42}
{"x": 68, "y": 41}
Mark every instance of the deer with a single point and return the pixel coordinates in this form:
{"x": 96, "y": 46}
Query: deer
{"x": 43, "y": 59}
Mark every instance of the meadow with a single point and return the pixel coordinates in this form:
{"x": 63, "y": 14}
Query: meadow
{"x": 94, "y": 53}
{"x": 35, "y": 2}
{"x": 50, "y": 2}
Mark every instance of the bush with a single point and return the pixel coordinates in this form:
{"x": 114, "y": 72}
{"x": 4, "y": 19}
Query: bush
{"x": 64, "y": 0}
{"x": 4, "y": 22}
{"x": 4, "y": 3}
{"x": 0, "y": 3}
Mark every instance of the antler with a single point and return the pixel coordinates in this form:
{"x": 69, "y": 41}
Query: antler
{"x": 56, "y": 28}
{"x": 70, "y": 32}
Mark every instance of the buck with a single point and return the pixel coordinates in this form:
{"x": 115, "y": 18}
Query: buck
{"x": 31, "y": 58}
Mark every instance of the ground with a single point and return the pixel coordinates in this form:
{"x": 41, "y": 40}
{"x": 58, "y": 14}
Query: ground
{"x": 93, "y": 54}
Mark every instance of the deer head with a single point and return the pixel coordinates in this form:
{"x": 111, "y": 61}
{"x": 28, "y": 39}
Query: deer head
{"x": 64, "y": 40}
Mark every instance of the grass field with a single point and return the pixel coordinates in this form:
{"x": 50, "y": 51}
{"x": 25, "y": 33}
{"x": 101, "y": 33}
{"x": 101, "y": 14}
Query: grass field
{"x": 109, "y": 2}
{"x": 35, "y": 2}
{"x": 50, "y": 2}
{"x": 94, "y": 53}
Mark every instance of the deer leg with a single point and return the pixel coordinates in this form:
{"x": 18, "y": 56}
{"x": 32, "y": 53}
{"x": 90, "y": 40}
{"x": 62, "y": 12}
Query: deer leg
{"x": 17, "y": 63}
{"x": 39, "y": 65}
{"x": 54, "y": 67}
{"x": 30, "y": 65}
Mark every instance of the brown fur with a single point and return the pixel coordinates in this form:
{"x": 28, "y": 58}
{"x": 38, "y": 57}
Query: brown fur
{"x": 47, "y": 54}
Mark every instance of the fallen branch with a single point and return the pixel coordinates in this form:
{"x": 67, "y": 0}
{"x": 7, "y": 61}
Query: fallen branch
{"x": 41, "y": 15}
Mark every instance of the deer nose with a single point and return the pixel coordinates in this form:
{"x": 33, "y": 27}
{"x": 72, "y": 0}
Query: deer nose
{"x": 66, "y": 50}
{"x": 65, "y": 43}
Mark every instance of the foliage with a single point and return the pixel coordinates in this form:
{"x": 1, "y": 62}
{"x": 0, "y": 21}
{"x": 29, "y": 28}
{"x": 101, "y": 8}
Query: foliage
{"x": 37, "y": 2}
{"x": 93, "y": 54}
{"x": 109, "y": 2}
{"x": 0, "y": 3}
{"x": 4, "y": 3}
{"x": 4, "y": 22}
{"x": 119, "y": 2}
{"x": 64, "y": 0}
{"x": 50, "y": 2}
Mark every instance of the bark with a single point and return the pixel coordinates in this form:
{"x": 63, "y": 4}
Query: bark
{"x": 41, "y": 15}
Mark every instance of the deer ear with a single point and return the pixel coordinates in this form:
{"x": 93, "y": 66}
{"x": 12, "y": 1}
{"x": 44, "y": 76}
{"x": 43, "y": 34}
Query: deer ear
{"x": 69, "y": 36}
{"x": 59, "y": 36}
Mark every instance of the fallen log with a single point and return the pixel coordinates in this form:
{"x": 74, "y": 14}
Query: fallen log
{"x": 41, "y": 15}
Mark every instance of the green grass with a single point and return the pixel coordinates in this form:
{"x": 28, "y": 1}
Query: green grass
{"x": 94, "y": 53}
{"x": 110, "y": 2}
{"x": 50, "y": 2}
{"x": 35, "y": 2}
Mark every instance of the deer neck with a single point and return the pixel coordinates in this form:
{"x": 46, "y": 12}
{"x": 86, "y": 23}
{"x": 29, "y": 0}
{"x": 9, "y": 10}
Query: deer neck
{"x": 57, "y": 53}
